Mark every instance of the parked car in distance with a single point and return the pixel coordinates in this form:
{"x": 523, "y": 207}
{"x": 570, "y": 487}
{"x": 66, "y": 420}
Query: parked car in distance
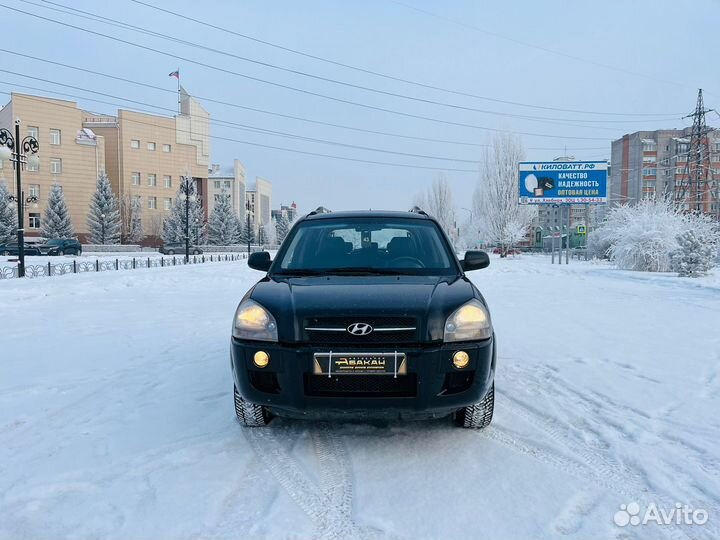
{"x": 61, "y": 246}
{"x": 510, "y": 251}
{"x": 11, "y": 248}
{"x": 178, "y": 247}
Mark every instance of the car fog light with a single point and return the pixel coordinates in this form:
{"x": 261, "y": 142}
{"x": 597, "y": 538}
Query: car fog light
{"x": 461, "y": 359}
{"x": 261, "y": 359}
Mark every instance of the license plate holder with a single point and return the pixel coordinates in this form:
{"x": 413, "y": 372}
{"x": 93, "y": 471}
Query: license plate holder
{"x": 359, "y": 363}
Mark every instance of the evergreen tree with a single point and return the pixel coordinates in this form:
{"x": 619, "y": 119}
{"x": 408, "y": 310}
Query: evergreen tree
{"x": 56, "y": 223}
{"x": 104, "y": 216}
{"x": 283, "y": 227}
{"x": 8, "y": 216}
{"x": 695, "y": 254}
{"x": 247, "y": 234}
{"x": 223, "y": 223}
{"x": 174, "y": 222}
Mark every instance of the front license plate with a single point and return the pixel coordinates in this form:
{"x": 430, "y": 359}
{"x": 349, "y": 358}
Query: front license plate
{"x": 391, "y": 363}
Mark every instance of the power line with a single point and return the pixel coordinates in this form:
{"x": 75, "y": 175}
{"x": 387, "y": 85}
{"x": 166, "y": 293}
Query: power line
{"x": 376, "y": 73}
{"x": 288, "y": 87}
{"x": 535, "y": 46}
{"x": 263, "y": 111}
{"x": 236, "y": 125}
{"x": 67, "y": 10}
{"x": 284, "y": 149}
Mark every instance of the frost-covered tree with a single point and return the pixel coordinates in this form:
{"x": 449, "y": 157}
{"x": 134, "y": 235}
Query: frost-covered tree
{"x": 104, "y": 217}
{"x": 282, "y": 227}
{"x": 131, "y": 219}
{"x": 247, "y": 234}
{"x": 696, "y": 253}
{"x": 262, "y": 237}
{"x": 501, "y": 220}
{"x": 271, "y": 232}
{"x": 438, "y": 202}
{"x": 222, "y": 227}
{"x": 57, "y": 222}
{"x": 8, "y": 216}
{"x": 174, "y": 224}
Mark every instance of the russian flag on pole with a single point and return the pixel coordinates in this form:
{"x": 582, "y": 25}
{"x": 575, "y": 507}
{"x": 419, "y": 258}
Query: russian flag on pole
{"x": 175, "y": 74}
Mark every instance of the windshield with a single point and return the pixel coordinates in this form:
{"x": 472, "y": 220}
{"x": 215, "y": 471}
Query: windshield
{"x": 366, "y": 245}
{"x": 55, "y": 242}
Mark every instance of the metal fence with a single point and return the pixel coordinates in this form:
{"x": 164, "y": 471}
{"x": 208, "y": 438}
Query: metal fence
{"x": 82, "y": 265}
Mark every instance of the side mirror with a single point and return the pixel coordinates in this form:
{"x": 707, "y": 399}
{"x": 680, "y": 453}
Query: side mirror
{"x": 260, "y": 260}
{"x": 475, "y": 260}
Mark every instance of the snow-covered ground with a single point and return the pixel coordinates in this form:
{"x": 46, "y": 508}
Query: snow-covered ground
{"x": 116, "y": 418}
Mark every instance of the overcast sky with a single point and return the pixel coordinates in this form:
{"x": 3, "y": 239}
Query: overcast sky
{"x": 628, "y": 57}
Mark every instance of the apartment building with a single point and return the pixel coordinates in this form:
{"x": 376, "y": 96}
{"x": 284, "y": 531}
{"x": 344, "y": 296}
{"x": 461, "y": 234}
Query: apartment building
{"x": 228, "y": 182}
{"x": 147, "y": 155}
{"x": 70, "y": 153}
{"x": 288, "y": 212}
{"x": 647, "y": 164}
{"x": 259, "y": 198}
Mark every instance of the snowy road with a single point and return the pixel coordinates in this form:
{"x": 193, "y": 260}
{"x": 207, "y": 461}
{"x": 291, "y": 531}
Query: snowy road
{"x": 116, "y": 418}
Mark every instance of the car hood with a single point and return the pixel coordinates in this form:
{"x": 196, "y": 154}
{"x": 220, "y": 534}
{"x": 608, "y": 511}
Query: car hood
{"x": 428, "y": 299}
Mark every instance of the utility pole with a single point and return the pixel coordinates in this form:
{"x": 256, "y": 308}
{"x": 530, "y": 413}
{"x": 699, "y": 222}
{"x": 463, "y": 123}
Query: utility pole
{"x": 696, "y": 180}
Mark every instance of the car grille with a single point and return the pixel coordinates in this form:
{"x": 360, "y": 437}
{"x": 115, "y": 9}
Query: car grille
{"x": 333, "y": 330}
{"x": 361, "y": 385}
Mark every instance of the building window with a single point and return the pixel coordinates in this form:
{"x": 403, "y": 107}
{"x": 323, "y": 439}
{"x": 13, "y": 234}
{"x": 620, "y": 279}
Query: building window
{"x": 649, "y": 146}
{"x": 152, "y": 180}
{"x": 136, "y": 179}
{"x": 715, "y": 159}
{"x": 54, "y": 136}
{"x": 33, "y": 168}
{"x": 167, "y": 181}
{"x": 34, "y": 221}
{"x": 716, "y": 146}
{"x": 151, "y": 146}
{"x": 217, "y": 184}
{"x": 168, "y": 203}
{"x": 649, "y": 172}
{"x": 134, "y": 143}
{"x": 680, "y": 170}
{"x": 228, "y": 183}
{"x": 33, "y": 131}
{"x": 167, "y": 148}
{"x": 35, "y": 190}
{"x": 152, "y": 203}
{"x": 56, "y": 165}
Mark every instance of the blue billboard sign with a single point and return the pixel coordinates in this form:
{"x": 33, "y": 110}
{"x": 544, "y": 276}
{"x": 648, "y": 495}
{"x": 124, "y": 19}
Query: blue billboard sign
{"x": 563, "y": 182}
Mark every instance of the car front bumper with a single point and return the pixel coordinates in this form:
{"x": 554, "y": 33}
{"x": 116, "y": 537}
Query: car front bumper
{"x": 431, "y": 387}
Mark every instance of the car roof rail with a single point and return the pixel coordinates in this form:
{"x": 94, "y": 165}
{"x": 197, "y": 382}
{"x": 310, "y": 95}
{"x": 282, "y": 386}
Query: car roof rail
{"x": 417, "y": 210}
{"x": 320, "y": 210}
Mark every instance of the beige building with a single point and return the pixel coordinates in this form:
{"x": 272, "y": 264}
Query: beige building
{"x": 148, "y": 154}
{"x": 230, "y": 182}
{"x": 70, "y": 155}
{"x": 260, "y": 201}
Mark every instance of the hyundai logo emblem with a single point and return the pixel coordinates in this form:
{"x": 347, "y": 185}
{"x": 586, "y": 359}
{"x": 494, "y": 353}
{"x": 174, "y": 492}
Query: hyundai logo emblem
{"x": 359, "y": 329}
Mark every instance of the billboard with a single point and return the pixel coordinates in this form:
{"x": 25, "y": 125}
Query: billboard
{"x": 558, "y": 182}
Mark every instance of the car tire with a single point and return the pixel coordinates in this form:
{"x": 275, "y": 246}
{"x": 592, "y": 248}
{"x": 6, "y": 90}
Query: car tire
{"x": 196, "y": 252}
{"x": 249, "y": 414}
{"x": 78, "y": 252}
{"x": 479, "y": 415}
{"x": 170, "y": 252}
{"x": 6, "y": 253}
{"x": 61, "y": 253}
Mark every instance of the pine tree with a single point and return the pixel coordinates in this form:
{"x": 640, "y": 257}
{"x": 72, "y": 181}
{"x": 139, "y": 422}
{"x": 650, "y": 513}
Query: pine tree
{"x": 695, "y": 254}
{"x": 282, "y": 228}
{"x": 104, "y": 216}
{"x": 56, "y": 223}
{"x": 247, "y": 234}
{"x": 223, "y": 223}
{"x": 8, "y": 216}
{"x": 174, "y": 222}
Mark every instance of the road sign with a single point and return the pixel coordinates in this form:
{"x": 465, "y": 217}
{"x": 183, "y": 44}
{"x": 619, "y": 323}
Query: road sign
{"x": 581, "y": 229}
{"x": 563, "y": 182}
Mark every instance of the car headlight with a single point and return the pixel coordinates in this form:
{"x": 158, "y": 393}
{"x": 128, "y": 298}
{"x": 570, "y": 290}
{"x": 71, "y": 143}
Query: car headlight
{"x": 252, "y": 321}
{"x": 469, "y": 322}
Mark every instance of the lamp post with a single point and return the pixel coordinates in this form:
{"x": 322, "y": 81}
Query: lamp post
{"x": 102, "y": 225}
{"x": 197, "y": 231}
{"x": 187, "y": 194}
{"x": 19, "y": 152}
{"x": 247, "y": 230}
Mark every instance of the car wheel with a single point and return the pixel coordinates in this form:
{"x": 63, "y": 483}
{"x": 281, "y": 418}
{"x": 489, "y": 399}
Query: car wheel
{"x": 249, "y": 414}
{"x": 477, "y": 416}
{"x": 78, "y": 252}
{"x": 170, "y": 252}
{"x": 6, "y": 253}
{"x": 196, "y": 252}
{"x": 61, "y": 253}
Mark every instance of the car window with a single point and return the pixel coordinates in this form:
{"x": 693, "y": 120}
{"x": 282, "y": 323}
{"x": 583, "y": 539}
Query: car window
{"x": 406, "y": 245}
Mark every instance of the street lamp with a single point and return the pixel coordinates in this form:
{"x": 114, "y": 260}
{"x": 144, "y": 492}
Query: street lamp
{"x": 197, "y": 231}
{"x": 19, "y": 152}
{"x": 247, "y": 230}
{"x": 187, "y": 194}
{"x": 102, "y": 224}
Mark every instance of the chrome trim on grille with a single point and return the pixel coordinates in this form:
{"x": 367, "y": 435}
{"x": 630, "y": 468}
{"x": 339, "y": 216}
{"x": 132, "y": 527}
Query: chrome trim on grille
{"x": 397, "y": 329}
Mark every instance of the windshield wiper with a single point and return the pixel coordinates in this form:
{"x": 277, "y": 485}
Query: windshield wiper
{"x": 364, "y": 270}
{"x": 300, "y": 272}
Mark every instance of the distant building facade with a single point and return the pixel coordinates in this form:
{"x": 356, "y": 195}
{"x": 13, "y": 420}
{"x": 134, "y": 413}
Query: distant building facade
{"x": 71, "y": 155}
{"x": 230, "y": 182}
{"x": 259, "y": 198}
{"x": 288, "y": 212}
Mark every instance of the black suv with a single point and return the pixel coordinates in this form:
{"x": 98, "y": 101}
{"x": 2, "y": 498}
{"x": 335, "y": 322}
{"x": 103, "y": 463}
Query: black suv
{"x": 171, "y": 248}
{"x": 365, "y": 314}
{"x": 13, "y": 248}
{"x": 61, "y": 246}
